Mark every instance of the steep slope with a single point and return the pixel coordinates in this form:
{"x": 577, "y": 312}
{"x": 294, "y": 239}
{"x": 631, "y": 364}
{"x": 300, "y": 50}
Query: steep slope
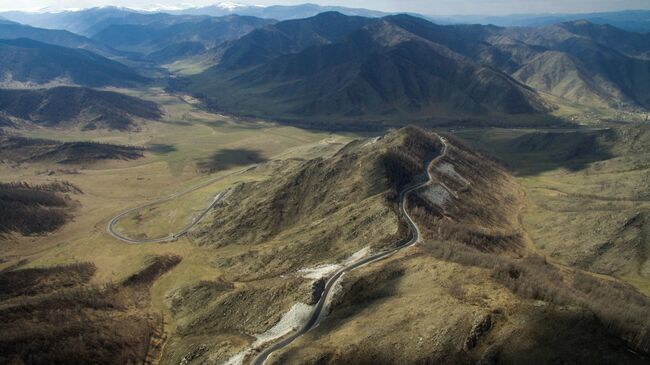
{"x": 631, "y": 43}
{"x": 584, "y": 63}
{"x": 562, "y": 75}
{"x": 382, "y": 71}
{"x": 78, "y": 107}
{"x": 152, "y": 37}
{"x": 35, "y": 209}
{"x": 590, "y": 68}
{"x": 28, "y": 61}
{"x": 581, "y": 62}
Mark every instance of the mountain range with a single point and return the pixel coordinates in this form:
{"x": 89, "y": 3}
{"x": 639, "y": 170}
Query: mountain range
{"x": 63, "y": 38}
{"x": 334, "y": 66}
{"x": 630, "y": 20}
{"x": 279, "y": 12}
{"x": 167, "y": 40}
{"x": 339, "y": 67}
{"x": 90, "y": 21}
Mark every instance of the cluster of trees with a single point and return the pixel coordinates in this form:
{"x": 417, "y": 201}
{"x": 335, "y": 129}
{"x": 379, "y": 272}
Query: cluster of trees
{"x": 34, "y": 209}
{"x": 54, "y": 315}
{"x": 405, "y": 162}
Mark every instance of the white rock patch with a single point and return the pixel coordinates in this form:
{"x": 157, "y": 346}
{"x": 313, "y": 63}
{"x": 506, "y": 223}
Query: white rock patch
{"x": 319, "y": 272}
{"x": 326, "y": 270}
{"x": 372, "y": 141}
{"x": 437, "y": 194}
{"x": 449, "y": 170}
{"x": 357, "y": 256}
{"x": 290, "y": 321}
{"x": 237, "y": 359}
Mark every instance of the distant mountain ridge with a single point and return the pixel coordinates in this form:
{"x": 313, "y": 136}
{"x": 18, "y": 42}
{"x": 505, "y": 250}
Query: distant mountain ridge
{"x": 371, "y": 68}
{"x": 63, "y": 38}
{"x": 629, "y": 20}
{"x": 92, "y": 20}
{"x": 278, "y": 12}
{"x": 187, "y": 36}
{"x": 86, "y": 22}
{"x": 29, "y": 61}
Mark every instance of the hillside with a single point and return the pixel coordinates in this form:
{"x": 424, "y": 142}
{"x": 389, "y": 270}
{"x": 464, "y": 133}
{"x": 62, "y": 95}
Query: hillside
{"x": 32, "y": 62}
{"x": 466, "y": 291}
{"x": 583, "y": 63}
{"x": 21, "y": 149}
{"x": 35, "y": 209}
{"x": 79, "y": 107}
{"x": 593, "y": 177}
{"x": 471, "y": 290}
{"x": 376, "y": 69}
{"x": 291, "y": 36}
{"x": 55, "y": 314}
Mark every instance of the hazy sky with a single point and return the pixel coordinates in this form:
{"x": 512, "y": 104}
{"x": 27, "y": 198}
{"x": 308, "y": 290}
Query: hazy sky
{"x": 431, "y": 7}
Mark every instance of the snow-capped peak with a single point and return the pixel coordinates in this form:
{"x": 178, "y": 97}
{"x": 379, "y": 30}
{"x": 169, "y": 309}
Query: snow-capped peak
{"x": 169, "y": 7}
{"x": 230, "y": 6}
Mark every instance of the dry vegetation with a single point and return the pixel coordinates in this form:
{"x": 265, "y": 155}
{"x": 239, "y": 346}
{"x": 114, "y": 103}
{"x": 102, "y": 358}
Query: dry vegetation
{"x": 33, "y": 150}
{"x": 264, "y": 232}
{"x": 475, "y": 290}
{"x": 54, "y": 316}
{"x": 35, "y": 209}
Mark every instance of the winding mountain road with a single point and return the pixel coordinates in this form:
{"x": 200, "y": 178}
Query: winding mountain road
{"x": 110, "y": 228}
{"x": 413, "y": 238}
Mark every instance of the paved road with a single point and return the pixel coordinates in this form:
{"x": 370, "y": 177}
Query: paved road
{"x": 413, "y": 238}
{"x": 110, "y": 228}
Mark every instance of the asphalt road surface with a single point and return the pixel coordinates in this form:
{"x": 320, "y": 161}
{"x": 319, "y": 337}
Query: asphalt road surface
{"x": 413, "y": 238}
{"x": 110, "y": 228}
